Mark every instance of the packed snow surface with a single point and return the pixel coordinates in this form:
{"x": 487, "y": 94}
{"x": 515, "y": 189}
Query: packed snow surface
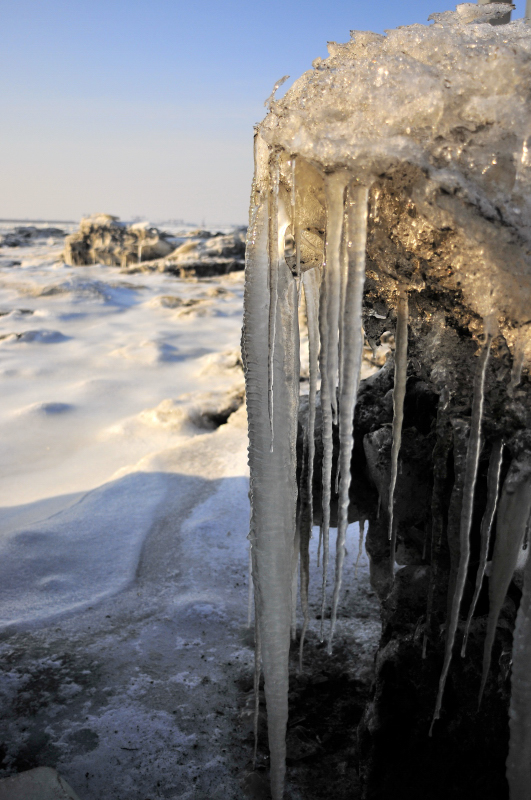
{"x": 124, "y": 519}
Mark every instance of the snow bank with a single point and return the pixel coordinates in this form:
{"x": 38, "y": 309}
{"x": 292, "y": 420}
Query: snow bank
{"x": 77, "y": 556}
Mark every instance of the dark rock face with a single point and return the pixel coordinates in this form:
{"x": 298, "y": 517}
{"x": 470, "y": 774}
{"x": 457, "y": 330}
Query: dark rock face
{"x": 465, "y": 756}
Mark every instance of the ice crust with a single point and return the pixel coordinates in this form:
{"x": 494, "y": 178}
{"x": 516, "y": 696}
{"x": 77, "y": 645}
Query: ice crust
{"x": 380, "y": 99}
{"x": 451, "y": 101}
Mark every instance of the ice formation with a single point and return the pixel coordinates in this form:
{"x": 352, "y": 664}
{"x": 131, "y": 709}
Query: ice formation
{"x": 390, "y": 194}
{"x": 399, "y": 392}
{"x": 467, "y": 509}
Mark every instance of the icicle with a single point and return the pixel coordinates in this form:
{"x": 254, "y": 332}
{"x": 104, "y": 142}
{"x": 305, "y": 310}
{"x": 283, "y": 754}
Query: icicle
{"x": 279, "y": 222}
{"x": 519, "y": 758}
{"x": 493, "y": 487}
{"x": 337, "y": 478}
{"x": 295, "y": 226}
{"x": 273, "y": 479}
{"x": 326, "y": 436}
{"x": 352, "y": 353}
{"x": 440, "y": 471}
{"x": 294, "y": 581}
{"x": 310, "y": 281}
{"x": 344, "y": 271}
{"x": 513, "y": 513}
{"x": 328, "y": 326}
{"x": 399, "y": 392}
{"x": 256, "y": 688}
{"x": 467, "y": 508}
{"x": 300, "y": 535}
{"x": 306, "y": 528}
{"x": 326, "y": 411}
{"x": 335, "y": 189}
{"x": 518, "y": 361}
{"x": 273, "y": 265}
{"x": 360, "y": 545}
{"x": 250, "y": 589}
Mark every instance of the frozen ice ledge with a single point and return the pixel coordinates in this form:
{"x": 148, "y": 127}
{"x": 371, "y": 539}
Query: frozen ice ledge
{"x": 392, "y": 192}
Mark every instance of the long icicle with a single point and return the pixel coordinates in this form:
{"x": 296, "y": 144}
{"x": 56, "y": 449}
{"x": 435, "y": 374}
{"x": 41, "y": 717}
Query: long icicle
{"x": 256, "y": 685}
{"x": 352, "y": 352}
{"x": 493, "y": 488}
{"x": 399, "y": 393}
{"x": 441, "y": 452}
{"x": 518, "y": 361}
{"x": 513, "y": 514}
{"x": 295, "y": 221}
{"x": 310, "y": 282}
{"x": 519, "y": 758}
{"x": 250, "y": 589}
{"x": 344, "y": 271}
{"x": 305, "y": 529}
{"x": 328, "y": 326}
{"x": 361, "y": 524}
{"x": 335, "y": 185}
{"x": 295, "y": 580}
{"x": 273, "y": 475}
{"x": 326, "y": 436}
{"x": 467, "y": 508}
{"x": 273, "y": 234}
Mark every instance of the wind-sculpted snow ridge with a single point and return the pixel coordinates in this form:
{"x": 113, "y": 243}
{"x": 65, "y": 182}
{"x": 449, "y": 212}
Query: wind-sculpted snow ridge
{"x": 395, "y": 198}
{"x": 69, "y": 561}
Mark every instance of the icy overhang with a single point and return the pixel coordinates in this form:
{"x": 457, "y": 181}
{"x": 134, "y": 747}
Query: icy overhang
{"x": 443, "y": 109}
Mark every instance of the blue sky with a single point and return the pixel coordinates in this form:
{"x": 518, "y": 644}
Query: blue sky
{"x": 137, "y": 107}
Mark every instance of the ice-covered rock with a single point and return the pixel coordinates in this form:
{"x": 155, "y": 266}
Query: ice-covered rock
{"x": 394, "y": 181}
{"x": 103, "y": 239}
{"x": 458, "y": 145}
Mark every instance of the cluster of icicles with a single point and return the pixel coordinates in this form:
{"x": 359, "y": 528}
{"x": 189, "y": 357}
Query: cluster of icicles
{"x": 282, "y": 511}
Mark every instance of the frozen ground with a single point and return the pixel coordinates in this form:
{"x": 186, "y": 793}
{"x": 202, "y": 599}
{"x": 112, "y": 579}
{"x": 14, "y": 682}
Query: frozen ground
{"x": 126, "y": 661}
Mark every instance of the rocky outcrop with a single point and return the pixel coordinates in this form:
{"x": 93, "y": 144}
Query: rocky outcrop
{"x": 466, "y": 754}
{"x": 103, "y": 239}
{"x": 25, "y": 235}
{"x": 204, "y": 254}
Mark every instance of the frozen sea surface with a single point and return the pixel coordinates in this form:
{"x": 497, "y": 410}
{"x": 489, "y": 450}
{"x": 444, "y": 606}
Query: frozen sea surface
{"x": 126, "y": 661}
